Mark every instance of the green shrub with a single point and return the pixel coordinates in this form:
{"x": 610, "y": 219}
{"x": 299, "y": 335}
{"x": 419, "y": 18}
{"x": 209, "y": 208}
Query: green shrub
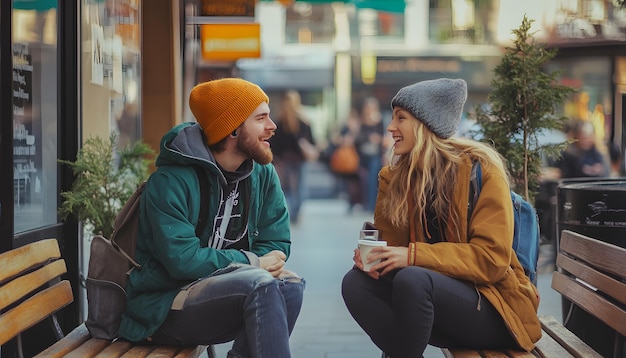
{"x": 106, "y": 176}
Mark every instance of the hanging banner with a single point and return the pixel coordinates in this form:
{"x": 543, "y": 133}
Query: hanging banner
{"x": 227, "y": 8}
{"x": 230, "y": 42}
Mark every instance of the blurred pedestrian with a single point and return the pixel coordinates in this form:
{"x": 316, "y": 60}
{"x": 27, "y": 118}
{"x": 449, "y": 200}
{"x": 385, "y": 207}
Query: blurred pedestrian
{"x": 616, "y": 156}
{"x": 581, "y": 158}
{"x": 444, "y": 279}
{"x": 292, "y": 145}
{"x": 350, "y": 182}
{"x": 369, "y": 144}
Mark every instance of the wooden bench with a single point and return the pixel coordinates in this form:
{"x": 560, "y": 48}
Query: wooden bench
{"x": 591, "y": 274}
{"x": 31, "y": 290}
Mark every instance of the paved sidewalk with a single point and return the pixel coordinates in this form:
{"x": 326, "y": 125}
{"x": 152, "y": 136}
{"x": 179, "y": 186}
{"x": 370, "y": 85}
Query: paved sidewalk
{"x": 322, "y": 245}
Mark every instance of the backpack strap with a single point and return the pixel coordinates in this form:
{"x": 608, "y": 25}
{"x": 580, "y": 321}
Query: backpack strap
{"x": 204, "y": 203}
{"x": 476, "y": 183}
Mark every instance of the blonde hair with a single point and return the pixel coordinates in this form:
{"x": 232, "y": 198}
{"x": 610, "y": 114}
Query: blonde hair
{"x": 427, "y": 177}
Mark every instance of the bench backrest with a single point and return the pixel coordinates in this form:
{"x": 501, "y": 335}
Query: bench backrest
{"x": 592, "y": 274}
{"x": 30, "y": 286}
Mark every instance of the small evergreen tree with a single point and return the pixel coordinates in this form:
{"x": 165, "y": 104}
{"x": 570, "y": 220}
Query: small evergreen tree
{"x": 522, "y": 105}
{"x": 106, "y": 177}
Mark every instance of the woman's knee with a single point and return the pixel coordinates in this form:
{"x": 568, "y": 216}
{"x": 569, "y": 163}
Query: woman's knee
{"x": 353, "y": 283}
{"x": 413, "y": 279}
{"x": 347, "y": 281}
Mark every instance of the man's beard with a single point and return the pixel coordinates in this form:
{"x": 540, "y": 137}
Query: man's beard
{"x": 253, "y": 149}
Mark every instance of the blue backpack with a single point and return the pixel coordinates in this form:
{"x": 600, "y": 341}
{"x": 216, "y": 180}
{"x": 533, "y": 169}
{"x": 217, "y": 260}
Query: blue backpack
{"x": 526, "y": 232}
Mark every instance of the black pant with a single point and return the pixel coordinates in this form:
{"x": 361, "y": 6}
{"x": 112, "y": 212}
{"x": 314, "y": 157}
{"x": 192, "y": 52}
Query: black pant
{"x": 405, "y": 311}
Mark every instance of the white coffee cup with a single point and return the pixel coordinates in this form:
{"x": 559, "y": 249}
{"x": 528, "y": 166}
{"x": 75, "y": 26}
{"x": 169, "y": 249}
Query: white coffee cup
{"x": 365, "y": 246}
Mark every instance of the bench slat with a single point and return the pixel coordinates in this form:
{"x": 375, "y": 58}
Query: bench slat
{"x": 602, "y": 255}
{"x": 469, "y": 353}
{"x": 558, "y": 341}
{"x": 138, "y": 352}
{"x": 547, "y": 347}
{"x": 601, "y": 281}
{"x": 460, "y": 353}
{"x": 501, "y": 354}
{"x": 166, "y": 351}
{"x": 195, "y": 352}
{"x": 89, "y": 348}
{"x": 15, "y": 290}
{"x": 21, "y": 259}
{"x": 520, "y": 354}
{"x": 591, "y": 302}
{"x": 34, "y": 310}
{"x": 115, "y": 349}
{"x": 74, "y": 339}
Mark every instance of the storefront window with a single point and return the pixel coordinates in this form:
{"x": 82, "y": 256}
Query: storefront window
{"x": 111, "y": 69}
{"x": 376, "y": 23}
{"x": 461, "y": 21}
{"x": 309, "y": 23}
{"x": 592, "y": 101}
{"x": 34, "y": 114}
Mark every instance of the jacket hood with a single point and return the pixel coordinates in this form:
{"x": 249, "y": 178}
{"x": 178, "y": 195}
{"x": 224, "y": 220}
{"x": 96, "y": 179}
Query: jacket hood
{"x": 185, "y": 144}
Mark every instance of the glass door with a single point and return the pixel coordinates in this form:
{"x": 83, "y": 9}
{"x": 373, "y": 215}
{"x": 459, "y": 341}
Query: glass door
{"x": 35, "y": 103}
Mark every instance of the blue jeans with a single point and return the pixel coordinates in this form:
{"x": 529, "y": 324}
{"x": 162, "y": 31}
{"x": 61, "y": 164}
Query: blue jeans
{"x": 404, "y": 311}
{"x": 371, "y": 165}
{"x": 290, "y": 173}
{"x": 246, "y": 305}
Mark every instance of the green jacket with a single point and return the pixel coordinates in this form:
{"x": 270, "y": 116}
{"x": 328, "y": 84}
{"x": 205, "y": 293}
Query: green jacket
{"x": 487, "y": 260}
{"x": 167, "y": 247}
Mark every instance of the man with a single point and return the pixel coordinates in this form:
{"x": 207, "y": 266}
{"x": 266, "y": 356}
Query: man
{"x": 582, "y": 158}
{"x": 230, "y": 282}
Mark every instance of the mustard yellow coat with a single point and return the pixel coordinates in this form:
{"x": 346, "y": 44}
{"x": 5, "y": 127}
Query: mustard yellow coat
{"x": 487, "y": 260}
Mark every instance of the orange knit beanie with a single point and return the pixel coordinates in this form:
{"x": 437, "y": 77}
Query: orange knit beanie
{"x": 220, "y": 106}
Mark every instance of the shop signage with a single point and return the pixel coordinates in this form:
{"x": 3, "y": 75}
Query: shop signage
{"x": 27, "y": 128}
{"x": 401, "y": 71}
{"x": 230, "y": 42}
{"x": 416, "y": 64}
{"x": 227, "y": 8}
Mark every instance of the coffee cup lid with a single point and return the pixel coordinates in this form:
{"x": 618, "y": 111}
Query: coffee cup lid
{"x": 372, "y": 243}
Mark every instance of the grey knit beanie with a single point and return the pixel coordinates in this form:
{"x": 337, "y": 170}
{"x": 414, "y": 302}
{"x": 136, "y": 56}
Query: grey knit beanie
{"x": 437, "y": 103}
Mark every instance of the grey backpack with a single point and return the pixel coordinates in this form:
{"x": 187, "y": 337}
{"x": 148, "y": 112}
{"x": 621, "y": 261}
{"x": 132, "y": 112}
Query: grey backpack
{"x": 111, "y": 262}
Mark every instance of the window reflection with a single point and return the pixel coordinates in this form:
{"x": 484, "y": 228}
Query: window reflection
{"x": 309, "y": 23}
{"x": 380, "y": 23}
{"x": 34, "y": 113}
{"x": 461, "y": 21}
{"x": 111, "y": 69}
{"x": 590, "y": 77}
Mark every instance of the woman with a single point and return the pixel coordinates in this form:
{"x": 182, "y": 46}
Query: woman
{"x": 444, "y": 279}
{"x": 350, "y": 181}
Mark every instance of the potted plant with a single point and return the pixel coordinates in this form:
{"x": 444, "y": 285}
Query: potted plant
{"x": 522, "y": 107}
{"x": 106, "y": 177}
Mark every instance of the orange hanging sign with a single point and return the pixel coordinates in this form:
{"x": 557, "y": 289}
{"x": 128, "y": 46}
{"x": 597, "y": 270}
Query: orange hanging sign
{"x": 229, "y": 42}
{"x": 227, "y": 8}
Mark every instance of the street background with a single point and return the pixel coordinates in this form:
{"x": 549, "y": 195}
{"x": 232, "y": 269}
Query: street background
{"x": 322, "y": 245}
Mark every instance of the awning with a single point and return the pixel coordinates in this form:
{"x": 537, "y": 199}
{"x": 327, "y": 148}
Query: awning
{"x": 380, "y": 5}
{"x": 39, "y": 5}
